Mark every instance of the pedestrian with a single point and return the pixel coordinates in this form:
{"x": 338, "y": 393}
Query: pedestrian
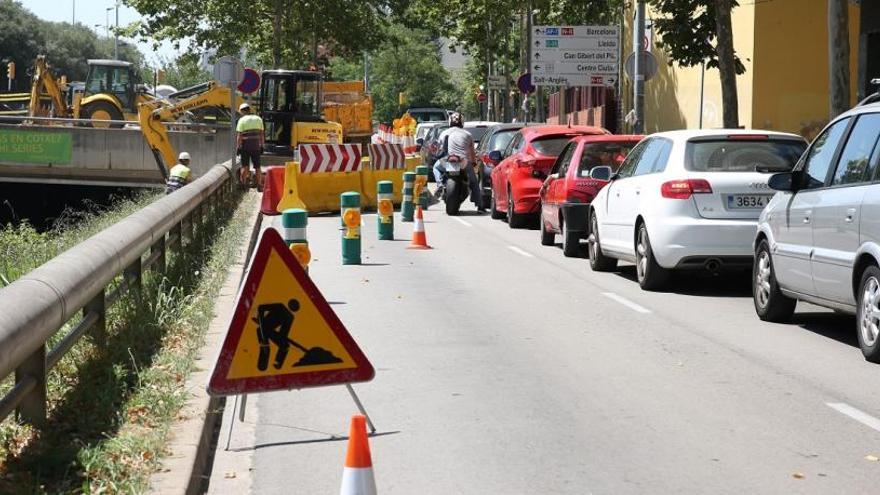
{"x": 250, "y": 140}
{"x": 180, "y": 174}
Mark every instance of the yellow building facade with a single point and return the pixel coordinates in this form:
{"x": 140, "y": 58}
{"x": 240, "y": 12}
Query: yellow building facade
{"x": 783, "y": 45}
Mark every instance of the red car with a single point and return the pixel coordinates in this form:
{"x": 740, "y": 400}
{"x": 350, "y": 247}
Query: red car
{"x": 571, "y": 186}
{"x": 523, "y": 166}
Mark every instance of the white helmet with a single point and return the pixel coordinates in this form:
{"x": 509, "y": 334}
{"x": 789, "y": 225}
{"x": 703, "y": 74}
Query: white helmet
{"x": 243, "y": 107}
{"x": 183, "y": 156}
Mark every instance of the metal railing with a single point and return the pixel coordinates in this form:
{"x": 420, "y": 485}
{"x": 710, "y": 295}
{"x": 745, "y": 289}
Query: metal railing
{"x": 54, "y": 121}
{"x": 40, "y": 303}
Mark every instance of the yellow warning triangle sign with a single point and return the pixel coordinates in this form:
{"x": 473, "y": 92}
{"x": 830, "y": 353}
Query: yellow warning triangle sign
{"x": 283, "y": 334}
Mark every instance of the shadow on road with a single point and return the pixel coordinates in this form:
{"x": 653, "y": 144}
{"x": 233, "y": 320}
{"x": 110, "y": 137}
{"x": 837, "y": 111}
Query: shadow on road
{"x": 835, "y": 326}
{"x": 701, "y": 283}
{"x": 332, "y": 438}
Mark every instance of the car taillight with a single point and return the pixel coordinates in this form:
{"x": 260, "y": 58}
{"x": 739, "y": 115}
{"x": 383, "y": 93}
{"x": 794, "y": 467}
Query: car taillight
{"x": 683, "y": 189}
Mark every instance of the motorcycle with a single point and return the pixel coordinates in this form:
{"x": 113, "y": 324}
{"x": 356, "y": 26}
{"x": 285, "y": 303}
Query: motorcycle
{"x": 455, "y": 184}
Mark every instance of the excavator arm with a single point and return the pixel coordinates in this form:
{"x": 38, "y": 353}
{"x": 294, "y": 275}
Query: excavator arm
{"x": 152, "y": 114}
{"x": 43, "y": 78}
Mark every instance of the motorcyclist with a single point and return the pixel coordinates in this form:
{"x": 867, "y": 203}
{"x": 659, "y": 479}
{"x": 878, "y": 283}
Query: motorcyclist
{"x": 457, "y": 142}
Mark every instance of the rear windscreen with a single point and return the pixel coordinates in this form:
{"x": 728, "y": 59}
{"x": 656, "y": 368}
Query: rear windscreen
{"x": 500, "y": 140}
{"x": 551, "y": 145}
{"x": 429, "y": 116}
{"x": 726, "y": 155}
{"x": 603, "y": 153}
{"x": 477, "y": 132}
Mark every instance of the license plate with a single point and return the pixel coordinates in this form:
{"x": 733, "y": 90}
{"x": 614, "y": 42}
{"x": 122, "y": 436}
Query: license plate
{"x": 748, "y": 201}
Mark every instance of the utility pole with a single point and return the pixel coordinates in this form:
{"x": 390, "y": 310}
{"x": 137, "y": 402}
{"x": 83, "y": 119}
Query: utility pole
{"x": 639, "y": 70}
{"x": 526, "y": 109}
{"x": 489, "y": 106}
{"x": 73, "y": 14}
{"x": 116, "y": 34}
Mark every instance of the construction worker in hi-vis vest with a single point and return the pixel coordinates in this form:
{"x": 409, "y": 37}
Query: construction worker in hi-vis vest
{"x": 180, "y": 174}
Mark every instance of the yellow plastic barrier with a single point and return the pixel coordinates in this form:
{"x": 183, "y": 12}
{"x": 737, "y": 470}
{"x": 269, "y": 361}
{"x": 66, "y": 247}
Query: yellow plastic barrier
{"x": 319, "y": 192}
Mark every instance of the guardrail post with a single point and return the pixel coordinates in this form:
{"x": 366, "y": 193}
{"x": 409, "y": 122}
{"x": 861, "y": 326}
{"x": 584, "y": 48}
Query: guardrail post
{"x": 159, "y": 246}
{"x": 175, "y": 236}
{"x": 133, "y": 273}
{"x": 98, "y": 306}
{"x": 32, "y": 408}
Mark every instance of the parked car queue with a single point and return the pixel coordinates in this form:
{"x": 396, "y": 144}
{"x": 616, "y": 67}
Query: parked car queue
{"x": 802, "y": 219}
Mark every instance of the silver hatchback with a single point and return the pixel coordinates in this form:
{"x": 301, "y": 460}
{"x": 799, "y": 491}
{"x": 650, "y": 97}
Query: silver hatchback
{"x": 818, "y": 239}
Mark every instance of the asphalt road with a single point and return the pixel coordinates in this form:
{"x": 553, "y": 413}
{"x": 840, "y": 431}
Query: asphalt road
{"x": 504, "y": 367}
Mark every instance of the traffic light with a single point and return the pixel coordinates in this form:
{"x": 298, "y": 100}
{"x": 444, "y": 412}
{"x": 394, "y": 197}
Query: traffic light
{"x": 10, "y": 70}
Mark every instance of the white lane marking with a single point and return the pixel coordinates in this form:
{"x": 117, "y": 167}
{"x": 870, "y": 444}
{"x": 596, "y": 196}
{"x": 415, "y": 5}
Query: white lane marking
{"x": 520, "y": 251}
{"x": 626, "y": 302}
{"x": 462, "y": 222}
{"x": 856, "y": 414}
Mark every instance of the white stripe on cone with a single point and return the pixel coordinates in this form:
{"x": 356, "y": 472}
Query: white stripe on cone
{"x": 358, "y": 481}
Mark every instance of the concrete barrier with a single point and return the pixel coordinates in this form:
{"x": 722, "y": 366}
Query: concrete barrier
{"x": 117, "y": 157}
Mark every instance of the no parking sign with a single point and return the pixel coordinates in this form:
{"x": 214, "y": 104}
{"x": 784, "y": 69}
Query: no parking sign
{"x": 250, "y": 81}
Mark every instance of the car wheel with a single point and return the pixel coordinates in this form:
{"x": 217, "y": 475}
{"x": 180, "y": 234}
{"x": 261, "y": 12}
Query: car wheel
{"x": 571, "y": 241}
{"x": 770, "y": 303}
{"x": 548, "y": 238}
{"x": 598, "y": 261}
{"x": 514, "y": 220}
{"x": 868, "y": 315}
{"x": 651, "y": 276}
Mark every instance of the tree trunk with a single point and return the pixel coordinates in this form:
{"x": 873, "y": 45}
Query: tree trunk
{"x": 726, "y": 63}
{"x": 276, "y": 34}
{"x": 838, "y": 56}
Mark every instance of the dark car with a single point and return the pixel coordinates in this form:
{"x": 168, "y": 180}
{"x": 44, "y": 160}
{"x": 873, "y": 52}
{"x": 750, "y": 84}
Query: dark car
{"x": 430, "y": 146}
{"x": 496, "y": 138}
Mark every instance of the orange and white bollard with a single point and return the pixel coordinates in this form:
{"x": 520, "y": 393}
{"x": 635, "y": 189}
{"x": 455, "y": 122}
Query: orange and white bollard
{"x": 357, "y": 475}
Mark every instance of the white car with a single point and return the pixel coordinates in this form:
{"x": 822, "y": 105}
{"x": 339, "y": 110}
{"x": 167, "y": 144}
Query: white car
{"x": 819, "y": 238}
{"x": 688, "y": 200}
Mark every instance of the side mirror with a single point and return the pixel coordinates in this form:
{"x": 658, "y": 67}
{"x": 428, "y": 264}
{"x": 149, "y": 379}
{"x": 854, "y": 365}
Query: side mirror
{"x": 420, "y": 141}
{"x": 785, "y": 181}
{"x": 495, "y": 156}
{"x": 602, "y": 172}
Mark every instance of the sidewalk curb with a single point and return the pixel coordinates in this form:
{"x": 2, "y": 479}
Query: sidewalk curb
{"x": 190, "y": 440}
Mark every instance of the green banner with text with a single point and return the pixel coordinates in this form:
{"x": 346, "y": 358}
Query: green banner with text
{"x": 35, "y": 147}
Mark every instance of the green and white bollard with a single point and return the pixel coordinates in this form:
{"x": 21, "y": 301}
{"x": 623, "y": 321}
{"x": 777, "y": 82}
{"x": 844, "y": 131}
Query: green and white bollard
{"x": 385, "y": 207}
{"x": 351, "y": 233}
{"x": 422, "y": 181}
{"x": 408, "y": 206}
{"x": 294, "y": 222}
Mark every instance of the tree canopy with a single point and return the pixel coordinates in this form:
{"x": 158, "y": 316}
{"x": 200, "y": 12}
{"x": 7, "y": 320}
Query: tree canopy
{"x": 277, "y": 33}
{"x": 67, "y": 47}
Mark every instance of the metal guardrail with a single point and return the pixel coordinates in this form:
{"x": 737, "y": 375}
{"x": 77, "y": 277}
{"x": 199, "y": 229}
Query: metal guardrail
{"x": 37, "y": 305}
{"x": 24, "y": 119}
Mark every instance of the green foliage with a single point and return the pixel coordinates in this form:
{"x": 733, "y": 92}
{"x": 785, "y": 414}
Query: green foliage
{"x": 23, "y": 36}
{"x": 688, "y": 30}
{"x": 185, "y": 72}
{"x": 280, "y": 33}
{"x": 407, "y": 62}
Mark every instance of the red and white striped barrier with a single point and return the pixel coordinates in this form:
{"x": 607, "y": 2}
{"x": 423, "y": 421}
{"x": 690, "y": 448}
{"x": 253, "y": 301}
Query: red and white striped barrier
{"x": 409, "y": 145}
{"x": 387, "y": 157}
{"x": 314, "y": 158}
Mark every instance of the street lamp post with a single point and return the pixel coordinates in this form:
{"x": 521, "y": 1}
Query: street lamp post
{"x": 116, "y": 30}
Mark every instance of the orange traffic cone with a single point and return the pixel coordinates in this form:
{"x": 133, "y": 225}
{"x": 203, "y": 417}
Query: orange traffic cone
{"x": 419, "y": 241}
{"x": 357, "y": 475}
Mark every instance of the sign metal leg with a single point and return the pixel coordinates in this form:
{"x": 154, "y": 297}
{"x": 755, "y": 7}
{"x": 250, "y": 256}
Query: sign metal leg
{"x": 231, "y": 424}
{"x": 361, "y": 407}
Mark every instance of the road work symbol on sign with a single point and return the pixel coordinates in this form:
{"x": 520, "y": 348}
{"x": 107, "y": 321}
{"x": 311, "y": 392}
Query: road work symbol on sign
{"x": 283, "y": 334}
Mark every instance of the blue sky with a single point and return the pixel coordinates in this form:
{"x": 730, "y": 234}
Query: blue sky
{"x": 94, "y": 14}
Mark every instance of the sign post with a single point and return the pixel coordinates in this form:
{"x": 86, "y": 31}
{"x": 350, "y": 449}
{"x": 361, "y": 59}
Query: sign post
{"x": 575, "y": 56}
{"x": 230, "y": 70}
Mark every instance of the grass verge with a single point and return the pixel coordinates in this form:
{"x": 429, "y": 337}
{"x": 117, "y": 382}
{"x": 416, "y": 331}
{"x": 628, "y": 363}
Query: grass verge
{"x": 115, "y": 395}
{"x": 23, "y": 248}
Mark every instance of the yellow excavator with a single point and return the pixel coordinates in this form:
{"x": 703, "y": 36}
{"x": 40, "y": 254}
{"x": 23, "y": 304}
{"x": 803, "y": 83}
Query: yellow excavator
{"x": 112, "y": 92}
{"x": 152, "y": 114}
{"x": 290, "y": 105}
